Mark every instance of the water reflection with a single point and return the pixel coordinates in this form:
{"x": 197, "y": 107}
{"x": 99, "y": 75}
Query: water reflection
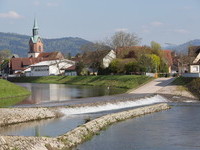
{"x": 60, "y": 92}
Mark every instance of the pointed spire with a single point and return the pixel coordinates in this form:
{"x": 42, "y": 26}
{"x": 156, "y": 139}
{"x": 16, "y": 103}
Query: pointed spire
{"x": 35, "y": 26}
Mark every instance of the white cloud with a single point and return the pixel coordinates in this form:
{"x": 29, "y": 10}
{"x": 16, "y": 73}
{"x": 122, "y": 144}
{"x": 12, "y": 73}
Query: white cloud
{"x": 156, "y": 23}
{"x": 10, "y": 14}
{"x": 121, "y": 29}
{"x": 182, "y": 31}
{"x": 52, "y": 4}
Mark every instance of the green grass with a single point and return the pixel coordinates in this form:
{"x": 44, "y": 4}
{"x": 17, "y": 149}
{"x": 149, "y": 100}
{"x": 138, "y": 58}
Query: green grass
{"x": 191, "y": 84}
{"x": 11, "y": 101}
{"x": 120, "y": 81}
{"x": 9, "y": 90}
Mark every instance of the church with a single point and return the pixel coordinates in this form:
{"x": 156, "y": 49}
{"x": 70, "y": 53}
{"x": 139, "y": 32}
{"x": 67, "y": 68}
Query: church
{"x": 35, "y": 55}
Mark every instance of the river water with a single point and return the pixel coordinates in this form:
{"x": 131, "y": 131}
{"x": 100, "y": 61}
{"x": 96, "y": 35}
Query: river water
{"x": 175, "y": 129}
{"x": 62, "y": 92}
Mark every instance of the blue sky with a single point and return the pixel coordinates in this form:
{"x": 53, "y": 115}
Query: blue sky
{"x": 163, "y": 21}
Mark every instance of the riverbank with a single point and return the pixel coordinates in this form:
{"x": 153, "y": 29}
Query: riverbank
{"x": 77, "y": 135}
{"x": 121, "y": 81}
{"x": 189, "y": 84}
{"x": 8, "y": 91}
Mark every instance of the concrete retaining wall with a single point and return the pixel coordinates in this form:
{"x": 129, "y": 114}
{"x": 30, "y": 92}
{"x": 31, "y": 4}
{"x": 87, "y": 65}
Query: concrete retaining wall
{"x": 78, "y": 135}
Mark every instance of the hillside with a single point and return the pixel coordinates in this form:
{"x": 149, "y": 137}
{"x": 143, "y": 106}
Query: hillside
{"x": 183, "y": 48}
{"x": 18, "y": 44}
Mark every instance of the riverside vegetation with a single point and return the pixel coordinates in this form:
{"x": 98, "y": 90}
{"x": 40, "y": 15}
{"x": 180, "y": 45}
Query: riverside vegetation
{"x": 11, "y": 93}
{"x": 121, "y": 81}
{"x": 190, "y": 84}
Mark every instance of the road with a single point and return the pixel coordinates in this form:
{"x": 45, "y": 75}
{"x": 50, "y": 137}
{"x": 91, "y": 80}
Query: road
{"x": 154, "y": 86}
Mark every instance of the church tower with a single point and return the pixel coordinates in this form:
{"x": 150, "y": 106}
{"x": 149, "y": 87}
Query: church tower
{"x": 35, "y": 42}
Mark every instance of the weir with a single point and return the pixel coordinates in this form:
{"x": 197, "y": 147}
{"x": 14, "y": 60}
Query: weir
{"x": 113, "y": 106}
{"x": 73, "y": 117}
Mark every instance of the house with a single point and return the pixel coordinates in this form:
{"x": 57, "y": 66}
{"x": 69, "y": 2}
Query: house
{"x": 70, "y": 71}
{"x": 193, "y": 62}
{"x": 50, "y": 67}
{"x": 94, "y": 59}
{"x": 17, "y": 65}
{"x": 194, "y": 55}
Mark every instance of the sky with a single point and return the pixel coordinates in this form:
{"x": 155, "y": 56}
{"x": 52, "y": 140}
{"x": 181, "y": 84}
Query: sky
{"x": 164, "y": 21}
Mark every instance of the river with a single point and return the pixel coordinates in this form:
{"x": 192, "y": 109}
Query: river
{"x": 175, "y": 129}
{"x": 62, "y": 92}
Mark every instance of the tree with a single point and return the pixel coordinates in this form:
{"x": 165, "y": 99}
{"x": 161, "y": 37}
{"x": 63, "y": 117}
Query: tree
{"x": 114, "y": 66}
{"x": 156, "y": 48}
{"x": 123, "y": 39}
{"x": 79, "y": 68}
{"x": 4, "y": 54}
{"x": 151, "y": 62}
{"x": 95, "y": 47}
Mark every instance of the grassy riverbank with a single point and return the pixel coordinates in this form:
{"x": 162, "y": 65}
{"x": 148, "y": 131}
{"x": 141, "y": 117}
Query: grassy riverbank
{"x": 190, "y": 84}
{"x": 8, "y": 91}
{"x": 120, "y": 81}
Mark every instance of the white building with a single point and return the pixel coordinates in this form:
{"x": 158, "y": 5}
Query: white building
{"x": 52, "y": 67}
{"x": 108, "y": 58}
{"x": 194, "y": 60}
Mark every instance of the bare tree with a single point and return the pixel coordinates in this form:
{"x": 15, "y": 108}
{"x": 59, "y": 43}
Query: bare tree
{"x": 95, "y": 46}
{"x": 123, "y": 39}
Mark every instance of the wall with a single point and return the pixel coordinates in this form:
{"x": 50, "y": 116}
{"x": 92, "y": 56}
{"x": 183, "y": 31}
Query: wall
{"x": 71, "y": 73}
{"x": 108, "y": 58}
{"x": 194, "y": 75}
{"x": 194, "y": 69}
{"x": 39, "y": 71}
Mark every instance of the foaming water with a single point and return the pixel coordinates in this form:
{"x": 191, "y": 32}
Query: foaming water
{"x": 113, "y": 106}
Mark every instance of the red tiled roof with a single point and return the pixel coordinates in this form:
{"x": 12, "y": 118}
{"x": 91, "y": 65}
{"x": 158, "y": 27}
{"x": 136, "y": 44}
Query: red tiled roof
{"x": 50, "y": 55}
{"x": 21, "y": 63}
{"x": 71, "y": 68}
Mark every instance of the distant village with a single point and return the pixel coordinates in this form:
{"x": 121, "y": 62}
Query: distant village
{"x": 151, "y": 61}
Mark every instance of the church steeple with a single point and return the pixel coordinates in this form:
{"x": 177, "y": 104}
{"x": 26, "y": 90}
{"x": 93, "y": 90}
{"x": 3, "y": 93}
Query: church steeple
{"x": 35, "y": 43}
{"x": 35, "y": 28}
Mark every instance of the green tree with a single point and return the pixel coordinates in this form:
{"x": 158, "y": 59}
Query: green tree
{"x": 156, "y": 48}
{"x": 131, "y": 67}
{"x": 80, "y": 67}
{"x": 114, "y": 66}
{"x": 150, "y": 62}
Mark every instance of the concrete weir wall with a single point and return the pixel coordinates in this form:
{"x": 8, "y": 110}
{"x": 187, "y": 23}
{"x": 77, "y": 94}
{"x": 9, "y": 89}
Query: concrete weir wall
{"x": 77, "y": 135}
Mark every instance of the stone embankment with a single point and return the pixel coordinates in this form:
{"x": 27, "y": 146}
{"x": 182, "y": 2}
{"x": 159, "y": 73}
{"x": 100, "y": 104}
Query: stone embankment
{"x": 18, "y": 115}
{"x": 78, "y": 135}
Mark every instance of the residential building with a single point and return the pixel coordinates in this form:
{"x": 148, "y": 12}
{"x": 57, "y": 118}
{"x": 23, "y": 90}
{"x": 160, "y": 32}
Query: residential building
{"x": 51, "y": 67}
{"x": 194, "y": 55}
{"x": 70, "y": 71}
{"x": 193, "y": 62}
{"x": 94, "y": 59}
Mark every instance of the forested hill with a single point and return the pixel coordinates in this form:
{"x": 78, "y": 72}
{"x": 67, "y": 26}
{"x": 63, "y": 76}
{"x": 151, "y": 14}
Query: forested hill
{"x": 18, "y": 44}
{"x": 183, "y": 48}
